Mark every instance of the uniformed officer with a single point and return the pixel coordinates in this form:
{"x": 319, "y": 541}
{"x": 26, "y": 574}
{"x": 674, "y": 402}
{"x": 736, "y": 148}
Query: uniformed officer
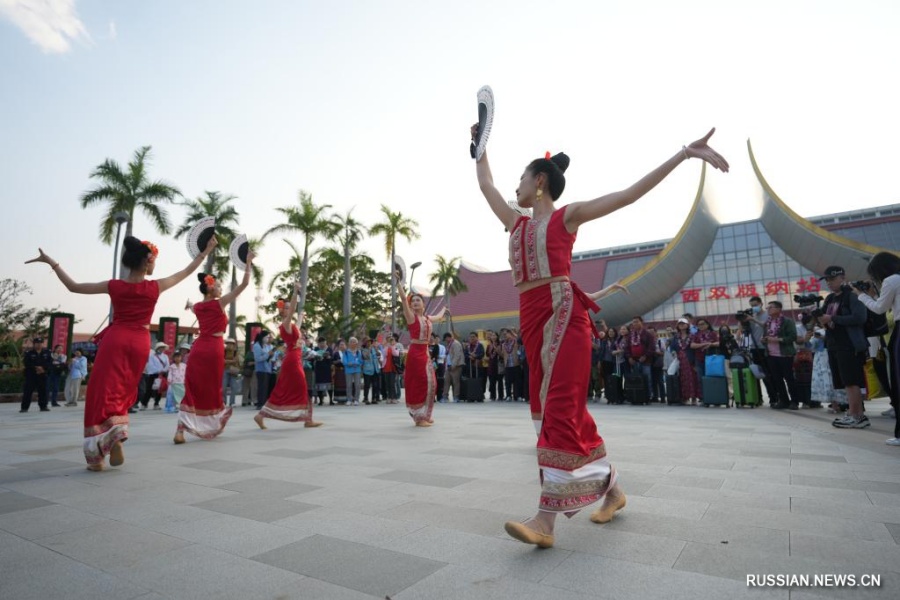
{"x": 37, "y": 365}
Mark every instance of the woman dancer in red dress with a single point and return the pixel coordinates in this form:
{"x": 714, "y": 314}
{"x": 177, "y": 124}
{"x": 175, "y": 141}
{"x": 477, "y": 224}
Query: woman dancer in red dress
{"x": 419, "y": 379}
{"x": 202, "y": 411}
{"x": 122, "y": 353}
{"x": 289, "y": 401}
{"x": 556, "y": 330}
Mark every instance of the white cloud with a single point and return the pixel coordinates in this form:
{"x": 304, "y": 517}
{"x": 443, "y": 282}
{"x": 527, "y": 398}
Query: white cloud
{"x": 51, "y": 24}
{"x": 113, "y": 34}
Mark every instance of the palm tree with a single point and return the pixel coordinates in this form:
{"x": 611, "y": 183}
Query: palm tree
{"x": 307, "y": 219}
{"x": 218, "y": 263}
{"x": 129, "y": 190}
{"x": 394, "y": 224}
{"x": 350, "y": 233}
{"x": 446, "y": 278}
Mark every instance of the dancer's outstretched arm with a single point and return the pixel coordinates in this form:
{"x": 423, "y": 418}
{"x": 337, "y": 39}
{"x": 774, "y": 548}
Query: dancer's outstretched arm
{"x": 408, "y": 313}
{"x": 607, "y": 291}
{"x": 230, "y": 296}
{"x": 101, "y": 287}
{"x": 495, "y": 199}
{"x": 439, "y": 314}
{"x": 176, "y": 278}
{"x": 286, "y": 321}
{"x": 579, "y": 213}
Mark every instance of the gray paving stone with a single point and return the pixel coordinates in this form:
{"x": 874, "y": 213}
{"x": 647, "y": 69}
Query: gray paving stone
{"x": 269, "y": 487}
{"x": 110, "y": 546}
{"x": 373, "y": 569}
{"x": 505, "y": 556}
{"x": 482, "y": 583}
{"x": 50, "y": 464}
{"x": 221, "y": 466}
{"x": 845, "y": 484}
{"x": 348, "y": 525}
{"x": 235, "y": 535}
{"x": 867, "y": 512}
{"x": 796, "y": 456}
{"x": 10, "y": 475}
{"x": 895, "y": 531}
{"x": 863, "y": 556}
{"x": 252, "y": 506}
{"x": 721, "y": 496}
{"x": 14, "y": 501}
{"x": 821, "y": 525}
{"x": 470, "y": 452}
{"x": 36, "y": 523}
{"x": 59, "y": 577}
{"x": 202, "y": 573}
{"x": 609, "y": 578}
{"x": 422, "y": 478}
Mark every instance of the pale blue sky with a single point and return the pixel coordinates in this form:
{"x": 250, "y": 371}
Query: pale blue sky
{"x": 364, "y": 103}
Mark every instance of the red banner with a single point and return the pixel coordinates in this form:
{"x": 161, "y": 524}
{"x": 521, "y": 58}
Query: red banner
{"x": 168, "y": 333}
{"x": 60, "y": 329}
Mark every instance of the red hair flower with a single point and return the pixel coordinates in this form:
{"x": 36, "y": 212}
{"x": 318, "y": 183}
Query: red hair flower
{"x": 209, "y": 280}
{"x": 547, "y": 155}
{"x": 280, "y": 304}
{"x": 152, "y": 247}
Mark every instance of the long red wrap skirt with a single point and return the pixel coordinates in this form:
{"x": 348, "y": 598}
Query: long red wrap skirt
{"x": 112, "y": 388}
{"x": 289, "y": 401}
{"x": 203, "y": 411}
{"x": 556, "y": 330}
{"x": 420, "y": 383}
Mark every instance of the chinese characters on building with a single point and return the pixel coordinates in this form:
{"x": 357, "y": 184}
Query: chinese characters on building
{"x": 748, "y": 290}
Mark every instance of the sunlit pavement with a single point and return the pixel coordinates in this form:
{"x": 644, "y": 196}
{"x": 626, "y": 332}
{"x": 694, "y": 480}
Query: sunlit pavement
{"x": 369, "y": 506}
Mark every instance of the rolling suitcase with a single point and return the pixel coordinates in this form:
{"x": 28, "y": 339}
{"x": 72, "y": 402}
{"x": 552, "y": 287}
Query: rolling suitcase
{"x": 472, "y": 387}
{"x": 673, "y": 389}
{"x": 715, "y": 391}
{"x": 636, "y": 391}
{"x": 746, "y": 388}
{"x": 614, "y": 390}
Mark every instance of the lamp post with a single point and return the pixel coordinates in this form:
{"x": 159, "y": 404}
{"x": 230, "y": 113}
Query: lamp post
{"x": 121, "y": 218}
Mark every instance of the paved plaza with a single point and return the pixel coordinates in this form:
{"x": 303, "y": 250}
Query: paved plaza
{"x": 369, "y": 506}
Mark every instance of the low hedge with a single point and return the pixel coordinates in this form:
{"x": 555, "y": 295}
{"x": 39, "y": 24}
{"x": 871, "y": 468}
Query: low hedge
{"x": 12, "y": 381}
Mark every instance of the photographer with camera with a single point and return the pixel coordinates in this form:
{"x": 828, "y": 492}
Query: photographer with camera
{"x": 750, "y": 339}
{"x": 884, "y": 268}
{"x": 844, "y": 317}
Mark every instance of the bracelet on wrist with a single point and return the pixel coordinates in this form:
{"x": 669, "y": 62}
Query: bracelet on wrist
{"x": 684, "y": 151}
{"x": 54, "y": 265}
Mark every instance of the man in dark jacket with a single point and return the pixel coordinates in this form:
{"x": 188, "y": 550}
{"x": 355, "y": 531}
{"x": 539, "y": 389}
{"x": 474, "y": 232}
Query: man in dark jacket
{"x": 37, "y": 365}
{"x": 845, "y": 340}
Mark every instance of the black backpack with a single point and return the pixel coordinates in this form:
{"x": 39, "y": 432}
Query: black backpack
{"x": 876, "y": 325}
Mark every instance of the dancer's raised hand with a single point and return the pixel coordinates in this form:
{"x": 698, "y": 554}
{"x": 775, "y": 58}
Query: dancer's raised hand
{"x": 700, "y": 149}
{"x": 41, "y": 257}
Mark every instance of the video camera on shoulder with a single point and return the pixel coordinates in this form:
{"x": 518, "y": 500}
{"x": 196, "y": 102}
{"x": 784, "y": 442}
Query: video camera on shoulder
{"x": 863, "y": 286}
{"x": 807, "y": 300}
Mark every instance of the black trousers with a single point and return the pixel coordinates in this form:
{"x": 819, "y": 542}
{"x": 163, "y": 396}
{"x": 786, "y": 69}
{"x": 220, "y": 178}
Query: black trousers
{"x": 515, "y": 384}
{"x": 371, "y": 382}
{"x": 495, "y": 382}
{"x": 149, "y": 392}
{"x": 262, "y": 388}
{"x": 35, "y": 383}
{"x": 781, "y": 370}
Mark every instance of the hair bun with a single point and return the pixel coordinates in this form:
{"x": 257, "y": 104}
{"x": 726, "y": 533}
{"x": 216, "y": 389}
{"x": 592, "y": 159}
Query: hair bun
{"x": 200, "y": 277}
{"x": 561, "y": 160}
{"x": 133, "y": 244}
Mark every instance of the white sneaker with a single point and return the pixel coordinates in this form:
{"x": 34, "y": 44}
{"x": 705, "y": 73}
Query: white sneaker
{"x": 889, "y": 413}
{"x": 853, "y": 423}
{"x": 893, "y": 442}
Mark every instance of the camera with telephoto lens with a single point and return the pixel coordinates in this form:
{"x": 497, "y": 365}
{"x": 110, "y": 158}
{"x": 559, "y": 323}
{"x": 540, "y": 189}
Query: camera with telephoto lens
{"x": 743, "y": 313}
{"x": 863, "y": 286}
